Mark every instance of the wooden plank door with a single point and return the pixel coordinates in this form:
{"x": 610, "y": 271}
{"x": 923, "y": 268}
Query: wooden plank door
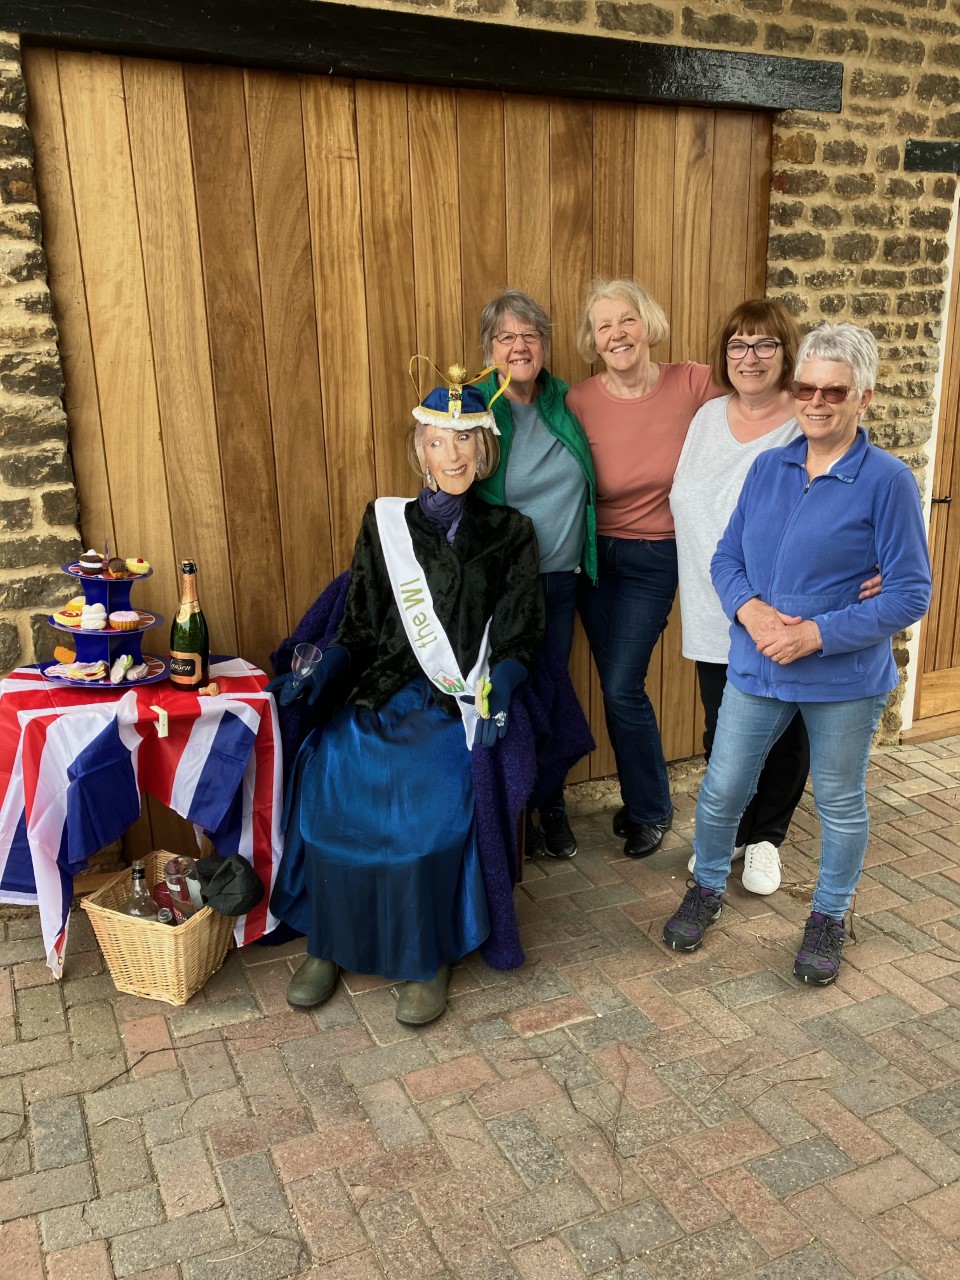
{"x": 938, "y": 689}
{"x": 243, "y": 262}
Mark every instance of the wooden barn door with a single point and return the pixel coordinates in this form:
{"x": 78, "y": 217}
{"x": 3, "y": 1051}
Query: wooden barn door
{"x": 243, "y": 262}
{"x": 938, "y": 690}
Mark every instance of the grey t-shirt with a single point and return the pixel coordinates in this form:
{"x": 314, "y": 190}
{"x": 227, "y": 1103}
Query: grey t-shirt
{"x": 545, "y": 482}
{"x": 706, "y": 487}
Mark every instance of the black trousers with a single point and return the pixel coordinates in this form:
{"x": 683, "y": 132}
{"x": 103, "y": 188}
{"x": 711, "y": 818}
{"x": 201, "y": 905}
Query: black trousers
{"x": 784, "y": 773}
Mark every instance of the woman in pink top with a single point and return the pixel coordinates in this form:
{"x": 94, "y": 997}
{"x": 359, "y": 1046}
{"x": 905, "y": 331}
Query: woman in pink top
{"x": 636, "y": 414}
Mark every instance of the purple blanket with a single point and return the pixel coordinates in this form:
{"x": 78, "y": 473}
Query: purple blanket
{"x": 547, "y": 734}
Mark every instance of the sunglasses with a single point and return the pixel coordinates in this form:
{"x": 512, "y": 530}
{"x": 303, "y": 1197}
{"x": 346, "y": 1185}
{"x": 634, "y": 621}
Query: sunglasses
{"x": 807, "y": 390}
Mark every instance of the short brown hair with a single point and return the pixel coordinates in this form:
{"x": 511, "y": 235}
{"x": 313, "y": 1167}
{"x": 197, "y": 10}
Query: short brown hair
{"x": 652, "y": 316}
{"x": 758, "y": 315}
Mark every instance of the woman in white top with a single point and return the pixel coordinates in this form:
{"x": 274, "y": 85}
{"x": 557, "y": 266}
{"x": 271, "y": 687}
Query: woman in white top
{"x": 754, "y": 357}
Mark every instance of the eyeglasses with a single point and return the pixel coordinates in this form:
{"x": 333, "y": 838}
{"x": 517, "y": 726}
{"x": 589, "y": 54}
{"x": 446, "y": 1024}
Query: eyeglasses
{"x": 765, "y": 349}
{"x": 806, "y": 391}
{"x": 508, "y": 339}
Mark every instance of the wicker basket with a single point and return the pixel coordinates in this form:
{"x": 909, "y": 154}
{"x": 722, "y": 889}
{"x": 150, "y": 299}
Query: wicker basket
{"x": 159, "y": 961}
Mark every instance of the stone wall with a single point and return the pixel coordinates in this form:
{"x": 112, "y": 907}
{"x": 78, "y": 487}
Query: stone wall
{"x": 852, "y": 235}
{"x": 38, "y": 504}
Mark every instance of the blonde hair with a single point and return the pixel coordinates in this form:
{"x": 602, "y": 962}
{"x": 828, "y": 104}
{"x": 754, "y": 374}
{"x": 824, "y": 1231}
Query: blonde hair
{"x": 652, "y": 316}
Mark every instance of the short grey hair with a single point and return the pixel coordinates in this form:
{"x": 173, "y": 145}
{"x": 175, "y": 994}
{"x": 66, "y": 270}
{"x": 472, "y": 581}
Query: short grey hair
{"x": 525, "y": 308}
{"x": 846, "y": 343}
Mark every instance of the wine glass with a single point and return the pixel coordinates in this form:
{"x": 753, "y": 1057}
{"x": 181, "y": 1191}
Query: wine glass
{"x": 306, "y": 659}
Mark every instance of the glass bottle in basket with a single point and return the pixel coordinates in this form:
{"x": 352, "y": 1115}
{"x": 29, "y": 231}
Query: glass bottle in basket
{"x": 139, "y": 901}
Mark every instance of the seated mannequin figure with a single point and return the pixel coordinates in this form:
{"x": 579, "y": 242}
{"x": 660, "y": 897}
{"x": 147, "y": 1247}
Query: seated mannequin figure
{"x": 442, "y": 619}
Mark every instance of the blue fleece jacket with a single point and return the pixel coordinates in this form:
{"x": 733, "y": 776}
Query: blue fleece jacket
{"x": 805, "y": 547}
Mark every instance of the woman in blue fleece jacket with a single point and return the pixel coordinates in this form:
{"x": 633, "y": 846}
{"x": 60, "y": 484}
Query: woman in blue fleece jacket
{"x": 812, "y": 521}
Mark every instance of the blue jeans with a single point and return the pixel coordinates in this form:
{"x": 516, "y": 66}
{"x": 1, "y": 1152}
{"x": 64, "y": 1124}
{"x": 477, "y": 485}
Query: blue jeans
{"x": 624, "y": 615}
{"x": 840, "y": 735}
{"x": 560, "y": 600}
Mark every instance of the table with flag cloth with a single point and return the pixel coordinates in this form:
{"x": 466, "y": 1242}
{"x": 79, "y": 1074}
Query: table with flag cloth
{"x": 74, "y": 761}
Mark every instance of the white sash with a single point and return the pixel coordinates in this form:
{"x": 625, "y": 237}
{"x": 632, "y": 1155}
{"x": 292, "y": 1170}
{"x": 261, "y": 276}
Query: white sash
{"x": 428, "y": 640}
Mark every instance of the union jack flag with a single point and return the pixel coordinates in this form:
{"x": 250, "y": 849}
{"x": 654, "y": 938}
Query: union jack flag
{"x": 73, "y": 764}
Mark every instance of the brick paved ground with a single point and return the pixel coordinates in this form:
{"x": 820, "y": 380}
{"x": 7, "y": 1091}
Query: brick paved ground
{"x": 611, "y": 1110}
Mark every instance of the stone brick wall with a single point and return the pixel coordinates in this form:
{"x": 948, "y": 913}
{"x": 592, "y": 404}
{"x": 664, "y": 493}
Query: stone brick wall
{"x": 38, "y": 504}
{"x": 852, "y": 234}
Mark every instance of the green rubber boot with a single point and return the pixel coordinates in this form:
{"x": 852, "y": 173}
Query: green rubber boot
{"x": 422, "y": 1002}
{"x": 313, "y": 983}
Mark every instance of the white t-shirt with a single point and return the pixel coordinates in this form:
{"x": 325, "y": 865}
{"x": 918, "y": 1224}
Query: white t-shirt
{"x": 710, "y": 474}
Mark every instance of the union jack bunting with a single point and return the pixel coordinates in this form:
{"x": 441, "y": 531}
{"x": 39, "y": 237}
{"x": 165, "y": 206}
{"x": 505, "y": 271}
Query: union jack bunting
{"x": 73, "y": 765}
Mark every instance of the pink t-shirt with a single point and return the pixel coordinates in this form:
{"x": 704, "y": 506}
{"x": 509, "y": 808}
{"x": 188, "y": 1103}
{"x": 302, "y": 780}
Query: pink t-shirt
{"x": 636, "y": 445}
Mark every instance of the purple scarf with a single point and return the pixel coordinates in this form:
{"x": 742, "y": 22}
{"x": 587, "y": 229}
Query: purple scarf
{"x": 443, "y": 509}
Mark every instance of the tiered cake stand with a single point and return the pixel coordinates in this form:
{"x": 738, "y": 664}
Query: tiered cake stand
{"x": 108, "y": 645}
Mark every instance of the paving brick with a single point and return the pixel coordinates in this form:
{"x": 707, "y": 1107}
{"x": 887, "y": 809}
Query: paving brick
{"x": 193, "y": 1115}
{"x": 391, "y": 1116}
{"x": 330, "y": 1149}
{"x": 57, "y": 1133}
{"x": 855, "y": 1244}
{"x": 716, "y": 1017}
{"x": 756, "y": 986}
{"x": 125, "y": 1211}
{"x": 21, "y": 1250}
{"x": 811, "y": 1263}
{"x": 541, "y": 1211}
{"x": 610, "y": 1176}
{"x": 689, "y": 1080}
{"x": 136, "y": 1098}
{"x": 803, "y": 1165}
{"x": 940, "y": 1209}
{"x": 533, "y": 1156}
{"x": 158, "y": 1273}
{"x": 594, "y": 988}
{"x": 546, "y": 1260}
{"x": 35, "y": 1192}
{"x": 776, "y": 1116}
{"x": 770, "y": 1224}
{"x": 149, "y": 1046}
{"x": 84, "y": 1262}
{"x": 876, "y": 1091}
{"x": 379, "y": 1177}
{"x": 170, "y": 1241}
{"x": 186, "y": 1180}
{"x": 535, "y": 1019}
{"x": 257, "y": 1133}
{"x": 918, "y": 1245}
{"x": 195, "y": 1018}
{"x": 854, "y": 1138}
{"x": 619, "y": 1236}
{"x": 842, "y": 1043}
{"x": 327, "y": 1218}
{"x": 16, "y": 1059}
{"x": 254, "y": 1199}
{"x": 723, "y": 1250}
{"x": 264, "y": 1079}
{"x": 401, "y": 1239}
{"x": 250, "y": 1037}
{"x": 525, "y": 1090}
{"x": 938, "y": 1110}
{"x": 725, "y": 1145}
{"x": 642, "y": 1127}
{"x": 81, "y": 1075}
{"x": 622, "y": 1026}
{"x": 679, "y": 1190}
{"x": 914, "y": 1061}
{"x": 450, "y": 1077}
{"x": 40, "y": 1012}
{"x": 916, "y": 1142}
{"x": 882, "y": 1186}
{"x": 119, "y": 1155}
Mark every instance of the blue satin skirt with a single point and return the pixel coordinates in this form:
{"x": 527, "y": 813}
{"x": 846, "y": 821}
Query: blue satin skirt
{"x": 380, "y": 867}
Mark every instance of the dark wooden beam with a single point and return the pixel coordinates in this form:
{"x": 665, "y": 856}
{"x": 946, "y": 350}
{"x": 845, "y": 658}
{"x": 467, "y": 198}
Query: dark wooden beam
{"x": 385, "y": 44}
{"x": 932, "y": 157}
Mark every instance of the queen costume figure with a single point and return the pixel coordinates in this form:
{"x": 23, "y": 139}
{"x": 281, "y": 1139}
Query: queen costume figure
{"x": 442, "y": 618}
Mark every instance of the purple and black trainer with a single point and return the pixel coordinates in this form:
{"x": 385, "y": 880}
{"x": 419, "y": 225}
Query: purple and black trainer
{"x": 699, "y": 909}
{"x": 818, "y": 960}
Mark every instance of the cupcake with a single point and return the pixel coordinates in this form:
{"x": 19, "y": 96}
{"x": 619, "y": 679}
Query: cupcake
{"x": 136, "y": 566}
{"x": 93, "y": 617}
{"x": 124, "y": 620}
{"x": 91, "y": 562}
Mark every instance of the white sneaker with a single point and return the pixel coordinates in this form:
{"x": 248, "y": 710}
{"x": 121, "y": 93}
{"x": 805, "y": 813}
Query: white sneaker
{"x": 737, "y": 855}
{"x": 761, "y": 868}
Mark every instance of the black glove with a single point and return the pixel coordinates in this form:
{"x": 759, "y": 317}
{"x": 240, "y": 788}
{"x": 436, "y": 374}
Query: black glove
{"x": 504, "y": 678}
{"x": 334, "y": 664}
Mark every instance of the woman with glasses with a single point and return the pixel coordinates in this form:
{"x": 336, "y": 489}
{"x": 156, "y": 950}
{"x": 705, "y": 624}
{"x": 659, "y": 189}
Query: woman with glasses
{"x": 635, "y": 414}
{"x": 546, "y": 472}
{"x": 754, "y": 361}
{"x": 812, "y": 519}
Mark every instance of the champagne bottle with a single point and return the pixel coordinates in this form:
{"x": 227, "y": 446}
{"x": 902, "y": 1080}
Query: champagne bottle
{"x": 139, "y": 902}
{"x": 189, "y": 642}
